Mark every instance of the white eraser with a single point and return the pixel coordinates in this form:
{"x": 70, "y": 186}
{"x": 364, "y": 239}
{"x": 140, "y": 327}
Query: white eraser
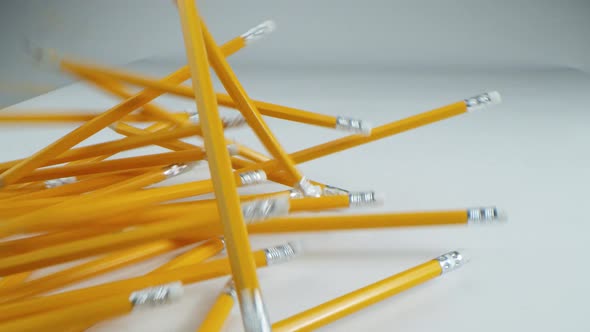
{"x": 233, "y": 149}
{"x": 502, "y": 216}
{"x": 175, "y": 291}
{"x": 366, "y": 128}
{"x": 495, "y": 97}
{"x": 297, "y": 247}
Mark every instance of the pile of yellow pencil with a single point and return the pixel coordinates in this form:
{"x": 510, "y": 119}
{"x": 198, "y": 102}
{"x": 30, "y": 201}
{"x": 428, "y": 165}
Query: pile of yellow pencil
{"x": 66, "y": 203}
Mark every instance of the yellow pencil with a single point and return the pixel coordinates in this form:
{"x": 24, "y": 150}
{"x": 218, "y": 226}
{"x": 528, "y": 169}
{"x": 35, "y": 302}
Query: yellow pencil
{"x": 9, "y": 283}
{"x": 345, "y": 305}
{"x": 59, "y": 116}
{"x": 220, "y": 310}
{"x": 106, "y": 307}
{"x": 116, "y": 165}
{"x": 187, "y": 275}
{"x": 235, "y": 235}
{"x": 390, "y": 129}
{"x": 98, "y": 123}
{"x": 88, "y": 270}
{"x": 194, "y": 256}
{"x": 386, "y": 220}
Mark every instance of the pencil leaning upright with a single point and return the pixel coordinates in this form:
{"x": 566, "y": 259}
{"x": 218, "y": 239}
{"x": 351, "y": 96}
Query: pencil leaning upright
{"x": 234, "y": 230}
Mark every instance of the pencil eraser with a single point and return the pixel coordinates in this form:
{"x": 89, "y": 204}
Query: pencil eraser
{"x": 233, "y": 149}
{"x": 175, "y": 291}
{"x": 297, "y": 247}
{"x": 495, "y": 97}
{"x": 502, "y": 216}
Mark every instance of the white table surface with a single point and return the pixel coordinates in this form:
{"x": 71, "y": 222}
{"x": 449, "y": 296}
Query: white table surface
{"x": 528, "y": 156}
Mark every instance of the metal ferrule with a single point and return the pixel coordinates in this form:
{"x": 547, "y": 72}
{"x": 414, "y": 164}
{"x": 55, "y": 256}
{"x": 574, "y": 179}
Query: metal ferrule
{"x": 450, "y": 261}
{"x": 280, "y": 254}
{"x": 230, "y": 289}
{"x": 258, "y": 32}
{"x": 308, "y": 189}
{"x": 479, "y": 102}
{"x": 353, "y": 125}
{"x": 59, "y": 182}
{"x": 295, "y": 193}
{"x": 362, "y": 198}
{"x": 259, "y": 210}
{"x": 233, "y": 122}
{"x": 155, "y": 296}
{"x": 193, "y": 115}
{"x": 253, "y": 177}
{"x": 334, "y": 191}
{"x": 176, "y": 169}
{"x": 482, "y": 214}
{"x": 254, "y": 313}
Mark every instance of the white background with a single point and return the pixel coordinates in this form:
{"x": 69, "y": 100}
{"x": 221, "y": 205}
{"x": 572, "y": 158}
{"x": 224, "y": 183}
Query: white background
{"x": 528, "y": 156}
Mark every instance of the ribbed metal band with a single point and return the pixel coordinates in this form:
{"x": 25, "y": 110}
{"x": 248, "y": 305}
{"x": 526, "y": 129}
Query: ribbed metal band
{"x": 253, "y": 177}
{"x": 155, "y": 296}
{"x": 60, "y": 182}
{"x": 280, "y": 254}
{"x": 450, "y": 261}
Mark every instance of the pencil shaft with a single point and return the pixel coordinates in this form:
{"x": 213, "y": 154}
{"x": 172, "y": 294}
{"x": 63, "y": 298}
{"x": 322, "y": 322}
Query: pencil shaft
{"x": 187, "y": 275}
{"x": 105, "y": 307}
{"x": 377, "y": 133}
{"x": 342, "y": 306}
{"x": 90, "y": 269}
{"x": 10, "y": 282}
{"x": 116, "y": 165}
{"x": 86, "y": 130}
{"x": 234, "y": 230}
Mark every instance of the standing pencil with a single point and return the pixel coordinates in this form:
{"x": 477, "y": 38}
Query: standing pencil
{"x": 234, "y": 230}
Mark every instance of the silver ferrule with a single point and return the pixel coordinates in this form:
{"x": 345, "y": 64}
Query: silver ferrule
{"x": 280, "y": 254}
{"x": 334, "y": 191}
{"x": 262, "y": 209}
{"x": 254, "y": 313}
{"x": 258, "y": 32}
{"x": 483, "y": 215}
{"x": 295, "y": 193}
{"x": 53, "y": 183}
{"x": 193, "y": 115}
{"x": 308, "y": 189}
{"x": 482, "y": 101}
{"x": 230, "y": 289}
{"x": 155, "y": 296}
{"x": 353, "y": 125}
{"x": 253, "y": 177}
{"x": 233, "y": 122}
{"x": 450, "y": 261}
{"x": 176, "y": 169}
{"x": 362, "y": 198}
